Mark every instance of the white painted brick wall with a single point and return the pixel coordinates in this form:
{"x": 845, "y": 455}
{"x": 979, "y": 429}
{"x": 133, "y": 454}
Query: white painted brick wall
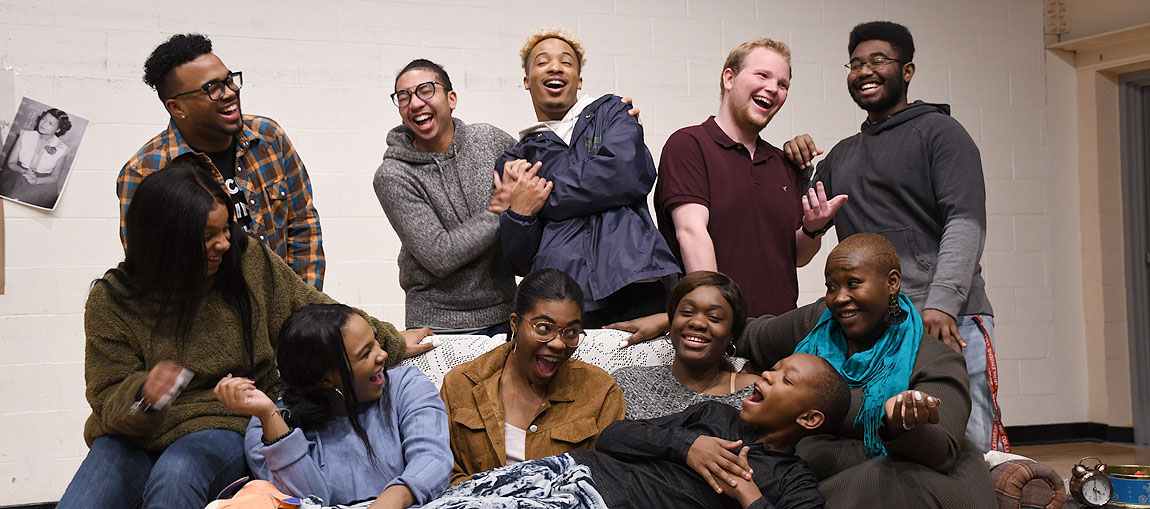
{"x": 324, "y": 70}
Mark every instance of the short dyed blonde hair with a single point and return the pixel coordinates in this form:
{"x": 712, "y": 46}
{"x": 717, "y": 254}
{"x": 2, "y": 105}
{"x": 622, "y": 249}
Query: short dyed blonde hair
{"x": 552, "y": 33}
{"x": 738, "y": 56}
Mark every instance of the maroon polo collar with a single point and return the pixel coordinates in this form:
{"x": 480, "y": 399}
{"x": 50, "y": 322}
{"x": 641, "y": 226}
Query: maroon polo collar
{"x": 762, "y": 152}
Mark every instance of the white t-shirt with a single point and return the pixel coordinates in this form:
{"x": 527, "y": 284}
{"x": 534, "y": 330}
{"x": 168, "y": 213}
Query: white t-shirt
{"x": 516, "y": 440}
{"x": 563, "y": 128}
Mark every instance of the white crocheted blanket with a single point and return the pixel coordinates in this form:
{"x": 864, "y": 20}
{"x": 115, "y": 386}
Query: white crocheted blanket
{"x": 601, "y": 347}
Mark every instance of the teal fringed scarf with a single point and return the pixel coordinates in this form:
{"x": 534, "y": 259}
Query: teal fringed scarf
{"x": 882, "y": 372}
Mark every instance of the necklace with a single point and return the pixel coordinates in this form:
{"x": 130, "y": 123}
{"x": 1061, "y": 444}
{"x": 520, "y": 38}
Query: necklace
{"x": 704, "y": 387}
{"x": 520, "y": 400}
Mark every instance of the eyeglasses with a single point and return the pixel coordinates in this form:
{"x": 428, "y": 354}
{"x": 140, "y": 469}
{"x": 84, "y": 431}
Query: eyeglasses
{"x": 215, "y": 88}
{"x": 874, "y": 62}
{"x": 546, "y": 331}
{"x": 424, "y": 91}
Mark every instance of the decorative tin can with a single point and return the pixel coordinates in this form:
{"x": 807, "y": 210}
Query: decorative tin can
{"x": 1131, "y": 485}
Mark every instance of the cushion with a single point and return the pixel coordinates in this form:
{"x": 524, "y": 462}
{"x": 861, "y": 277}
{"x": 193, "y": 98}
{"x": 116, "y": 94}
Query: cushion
{"x": 1025, "y": 484}
{"x": 257, "y": 495}
{"x": 600, "y": 347}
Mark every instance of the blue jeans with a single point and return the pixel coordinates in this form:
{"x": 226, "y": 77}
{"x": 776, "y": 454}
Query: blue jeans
{"x": 189, "y": 473}
{"x": 978, "y": 428}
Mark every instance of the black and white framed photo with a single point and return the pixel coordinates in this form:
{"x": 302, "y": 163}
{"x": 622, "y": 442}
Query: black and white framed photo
{"x": 38, "y": 154}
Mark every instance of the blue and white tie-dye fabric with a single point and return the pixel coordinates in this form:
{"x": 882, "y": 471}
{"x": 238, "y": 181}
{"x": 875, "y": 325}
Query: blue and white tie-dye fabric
{"x": 312, "y": 503}
{"x": 554, "y": 482}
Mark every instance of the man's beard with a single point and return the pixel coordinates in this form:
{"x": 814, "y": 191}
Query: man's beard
{"x": 745, "y": 120}
{"x": 894, "y": 90}
{"x": 228, "y": 129}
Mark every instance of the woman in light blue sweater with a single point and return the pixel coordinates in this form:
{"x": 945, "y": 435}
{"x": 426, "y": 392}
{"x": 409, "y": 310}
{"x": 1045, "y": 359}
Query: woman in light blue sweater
{"x": 347, "y": 428}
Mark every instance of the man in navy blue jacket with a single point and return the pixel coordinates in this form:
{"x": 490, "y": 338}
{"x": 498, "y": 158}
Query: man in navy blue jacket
{"x": 590, "y": 219}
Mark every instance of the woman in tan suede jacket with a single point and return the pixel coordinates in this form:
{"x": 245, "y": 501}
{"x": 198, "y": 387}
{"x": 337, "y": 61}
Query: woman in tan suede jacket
{"x": 528, "y": 399}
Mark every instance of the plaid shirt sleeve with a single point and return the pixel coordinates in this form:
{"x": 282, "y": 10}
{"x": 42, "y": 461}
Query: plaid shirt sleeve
{"x": 148, "y": 159}
{"x": 303, "y": 247}
{"x": 126, "y": 184}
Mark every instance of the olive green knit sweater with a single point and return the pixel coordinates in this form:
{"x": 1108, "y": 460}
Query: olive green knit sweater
{"x": 120, "y": 351}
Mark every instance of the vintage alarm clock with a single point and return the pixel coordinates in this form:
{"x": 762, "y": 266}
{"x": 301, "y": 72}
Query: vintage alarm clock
{"x": 1090, "y": 486}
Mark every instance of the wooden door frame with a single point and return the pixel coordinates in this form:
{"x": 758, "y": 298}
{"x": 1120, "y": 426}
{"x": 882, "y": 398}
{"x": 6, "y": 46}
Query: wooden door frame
{"x": 1134, "y": 114}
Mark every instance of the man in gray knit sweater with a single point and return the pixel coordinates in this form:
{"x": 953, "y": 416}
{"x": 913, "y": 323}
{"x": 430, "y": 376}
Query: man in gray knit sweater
{"x": 435, "y": 185}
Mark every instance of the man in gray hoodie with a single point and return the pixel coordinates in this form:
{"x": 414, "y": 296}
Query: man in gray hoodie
{"x": 914, "y": 175}
{"x": 435, "y": 185}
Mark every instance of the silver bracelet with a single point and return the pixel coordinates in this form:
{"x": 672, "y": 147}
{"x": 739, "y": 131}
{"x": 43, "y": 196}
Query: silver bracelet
{"x": 139, "y": 406}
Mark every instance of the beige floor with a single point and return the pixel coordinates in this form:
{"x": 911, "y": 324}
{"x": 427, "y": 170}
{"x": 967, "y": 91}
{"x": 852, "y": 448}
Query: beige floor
{"x": 1061, "y": 457}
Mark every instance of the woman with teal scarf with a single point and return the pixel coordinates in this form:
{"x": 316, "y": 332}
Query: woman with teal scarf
{"x": 902, "y": 443}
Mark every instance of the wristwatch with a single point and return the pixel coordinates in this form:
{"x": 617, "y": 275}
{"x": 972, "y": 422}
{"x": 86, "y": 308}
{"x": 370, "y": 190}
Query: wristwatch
{"x": 817, "y": 233}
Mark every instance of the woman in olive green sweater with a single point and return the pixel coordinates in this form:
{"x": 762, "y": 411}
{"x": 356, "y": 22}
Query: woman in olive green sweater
{"x": 194, "y": 296}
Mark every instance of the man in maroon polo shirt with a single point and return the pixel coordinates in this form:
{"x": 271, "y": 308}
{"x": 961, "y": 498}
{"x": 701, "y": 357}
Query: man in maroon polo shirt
{"x": 728, "y": 201}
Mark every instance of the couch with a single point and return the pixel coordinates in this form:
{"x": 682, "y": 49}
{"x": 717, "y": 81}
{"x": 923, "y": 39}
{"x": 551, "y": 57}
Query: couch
{"x": 1019, "y": 482}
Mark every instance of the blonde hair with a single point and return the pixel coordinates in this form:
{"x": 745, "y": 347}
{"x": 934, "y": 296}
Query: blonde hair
{"x": 738, "y": 56}
{"x": 552, "y": 33}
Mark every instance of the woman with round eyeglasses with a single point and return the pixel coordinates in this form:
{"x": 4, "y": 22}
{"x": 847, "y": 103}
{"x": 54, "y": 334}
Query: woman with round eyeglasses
{"x": 528, "y": 399}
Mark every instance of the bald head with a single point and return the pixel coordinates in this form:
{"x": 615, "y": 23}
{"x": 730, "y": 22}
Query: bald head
{"x": 873, "y": 250}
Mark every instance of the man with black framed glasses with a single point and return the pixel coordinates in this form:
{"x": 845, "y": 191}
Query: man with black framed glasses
{"x": 253, "y": 158}
{"x": 435, "y": 185}
{"x": 915, "y": 176}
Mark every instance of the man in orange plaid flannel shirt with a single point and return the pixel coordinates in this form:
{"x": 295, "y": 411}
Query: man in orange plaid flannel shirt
{"x": 252, "y": 156}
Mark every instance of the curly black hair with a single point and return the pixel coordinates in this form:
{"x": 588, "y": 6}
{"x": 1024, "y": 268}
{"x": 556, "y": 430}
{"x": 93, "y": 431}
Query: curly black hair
{"x": 177, "y": 50}
{"x": 64, "y": 123}
{"x": 896, "y": 35}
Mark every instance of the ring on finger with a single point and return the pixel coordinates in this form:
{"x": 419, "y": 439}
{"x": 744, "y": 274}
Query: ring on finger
{"x": 906, "y": 427}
